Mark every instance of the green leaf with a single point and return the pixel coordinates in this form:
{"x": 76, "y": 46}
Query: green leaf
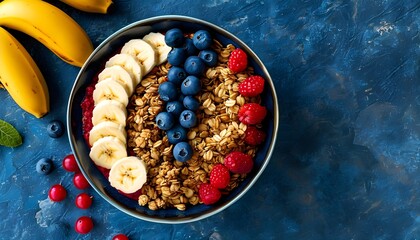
{"x": 9, "y": 136}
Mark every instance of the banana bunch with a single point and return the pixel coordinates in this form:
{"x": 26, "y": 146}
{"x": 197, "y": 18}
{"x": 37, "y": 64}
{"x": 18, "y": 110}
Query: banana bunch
{"x": 116, "y": 83}
{"x": 49, "y": 25}
{"x": 21, "y": 77}
{"x": 56, "y": 30}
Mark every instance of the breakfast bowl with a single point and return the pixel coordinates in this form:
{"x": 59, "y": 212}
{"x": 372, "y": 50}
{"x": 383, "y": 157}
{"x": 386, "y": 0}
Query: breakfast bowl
{"x": 176, "y": 199}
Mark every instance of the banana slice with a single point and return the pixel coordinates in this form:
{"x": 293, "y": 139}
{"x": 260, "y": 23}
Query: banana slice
{"x": 144, "y": 53}
{"x": 157, "y": 41}
{"x": 129, "y": 63}
{"x": 105, "y": 129}
{"x": 128, "y": 174}
{"x": 120, "y": 75}
{"x": 109, "y": 89}
{"x": 109, "y": 110}
{"x": 107, "y": 151}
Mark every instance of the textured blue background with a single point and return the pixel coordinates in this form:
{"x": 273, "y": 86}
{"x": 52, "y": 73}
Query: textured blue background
{"x": 346, "y": 164}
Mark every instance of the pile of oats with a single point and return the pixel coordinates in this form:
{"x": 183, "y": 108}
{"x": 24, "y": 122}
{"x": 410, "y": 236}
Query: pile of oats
{"x": 172, "y": 183}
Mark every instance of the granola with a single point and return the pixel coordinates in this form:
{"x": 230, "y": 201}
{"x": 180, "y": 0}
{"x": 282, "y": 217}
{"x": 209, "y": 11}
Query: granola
{"x": 172, "y": 183}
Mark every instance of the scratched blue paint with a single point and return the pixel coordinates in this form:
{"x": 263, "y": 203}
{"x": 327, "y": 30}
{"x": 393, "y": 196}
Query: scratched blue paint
{"x": 347, "y": 161}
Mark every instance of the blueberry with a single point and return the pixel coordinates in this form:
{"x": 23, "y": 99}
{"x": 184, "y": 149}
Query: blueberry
{"x": 187, "y": 119}
{"x": 189, "y": 47}
{"x": 176, "y": 134}
{"x": 168, "y": 91}
{"x": 176, "y": 75}
{"x": 164, "y": 120}
{"x": 191, "y": 103}
{"x": 183, "y": 151}
{"x": 55, "y": 129}
{"x": 191, "y": 85}
{"x": 177, "y": 56}
{"x": 209, "y": 57}
{"x": 202, "y": 39}
{"x": 194, "y": 66}
{"x": 174, "y": 37}
{"x": 175, "y": 108}
{"x": 44, "y": 166}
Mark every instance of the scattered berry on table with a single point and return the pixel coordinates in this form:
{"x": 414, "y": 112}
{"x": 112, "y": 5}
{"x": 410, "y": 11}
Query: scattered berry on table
{"x": 182, "y": 151}
{"x": 177, "y": 56}
{"x": 238, "y": 162}
{"x": 176, "y": 134}
{"x": 80, "y": 181}
{"x": 252, "y": 86}
{"x": 174, "y": 37}
{"x": 254, "y": 136}
{"x": 168, "y": 91}
{"x": 220, "y": 176}
{"x": 194, "y": 66}
{"x": 83, "y": 225}
{"x": 191, "y": 103}
{"x": 69, "y": 163}
{"x": 175, "y": 108}
{"x": 44, "y": 166}
{"x": 208, "y": 193}
{"x": 57, "y": 193}
{"x": 187, "y": 119}
{"x": 202, "y": 39}
{"x": 55, "y": 129}
{"x": 165, "y": 120}
{"x": 176, "y": 75}
{"x": 209, "y": 57}
{"x": 191, "y": 85}
{"x": 190, "y": 47}
{"x": 120, "y": 236}
{"x": 238, "y": 60}
{"x": 83, "y": 201}
{"x": 252, "y": 113}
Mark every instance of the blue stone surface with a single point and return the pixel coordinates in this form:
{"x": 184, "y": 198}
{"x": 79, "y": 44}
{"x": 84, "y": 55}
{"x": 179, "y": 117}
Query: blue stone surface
{"x": 346, "y": 164}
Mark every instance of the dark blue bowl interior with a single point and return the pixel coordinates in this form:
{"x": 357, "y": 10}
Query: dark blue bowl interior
{"x": 81, "y": 150}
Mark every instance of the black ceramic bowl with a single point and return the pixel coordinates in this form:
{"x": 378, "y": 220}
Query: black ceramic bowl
{"x": 81, "y": 149}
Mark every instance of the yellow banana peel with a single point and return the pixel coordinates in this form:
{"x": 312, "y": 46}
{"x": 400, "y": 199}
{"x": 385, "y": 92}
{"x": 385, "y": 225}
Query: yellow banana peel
{"x": 21, "y": 77}
{"x": 49, "y": 25}
{"x": 92, "y": 6}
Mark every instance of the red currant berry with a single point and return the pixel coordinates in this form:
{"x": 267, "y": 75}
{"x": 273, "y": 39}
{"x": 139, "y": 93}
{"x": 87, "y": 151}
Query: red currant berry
{"x": 83, "y": 201}
{"x": 80, "y": 181}
{"x": 84, "y": 225}
{"x": 70, "y": 164}
{"x": 120, "y": 237}
{"x": 57, "y": 193}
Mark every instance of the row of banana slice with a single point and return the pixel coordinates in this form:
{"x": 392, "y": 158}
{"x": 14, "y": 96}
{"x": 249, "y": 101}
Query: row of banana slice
{"x": 116, "y": 83}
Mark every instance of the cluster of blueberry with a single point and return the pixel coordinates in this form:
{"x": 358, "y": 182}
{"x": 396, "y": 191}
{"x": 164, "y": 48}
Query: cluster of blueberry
{"x": 189, "y": 58}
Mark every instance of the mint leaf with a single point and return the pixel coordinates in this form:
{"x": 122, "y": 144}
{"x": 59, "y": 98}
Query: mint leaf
{"x": 9, "y": 136}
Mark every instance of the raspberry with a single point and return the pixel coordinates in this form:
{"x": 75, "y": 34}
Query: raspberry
{"x": 251, "y": 86}
{"x": 254, "y": 136}
{"x": 208, "y": 193}
{"x": 238, "y": 162}
{"x": 252, "y": 113}
{"x": 238, "y": 60}
{"x": 219, "y": 176}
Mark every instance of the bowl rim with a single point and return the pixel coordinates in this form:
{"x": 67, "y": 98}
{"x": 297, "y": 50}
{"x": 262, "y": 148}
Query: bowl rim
{"x": 219, "y": 30}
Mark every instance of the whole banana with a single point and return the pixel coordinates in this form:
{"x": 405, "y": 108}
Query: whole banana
{"x": 49, "y": 25}
{"x": 92, "y": 6}
{"x": 21, "y": 77}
